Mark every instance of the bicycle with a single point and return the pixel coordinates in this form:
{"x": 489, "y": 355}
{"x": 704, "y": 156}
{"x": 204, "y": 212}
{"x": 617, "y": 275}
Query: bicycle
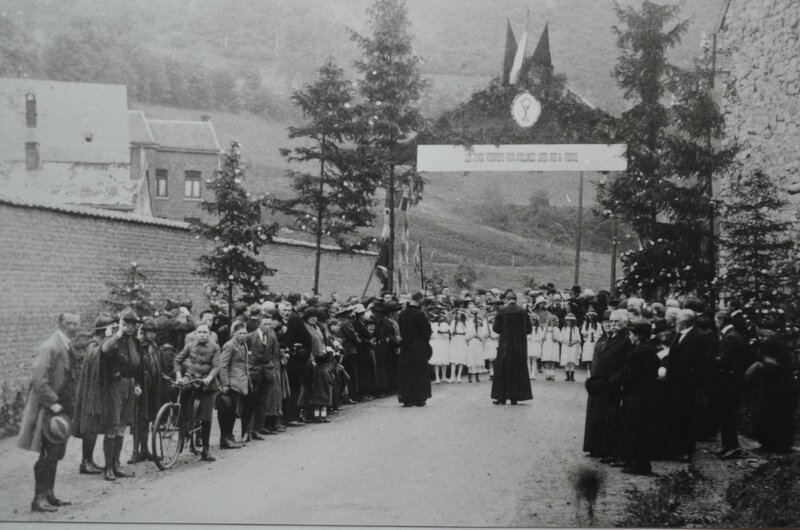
{"x": 170, "y": 431}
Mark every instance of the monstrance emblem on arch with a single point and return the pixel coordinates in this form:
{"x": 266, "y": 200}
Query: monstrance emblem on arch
{"x": 526, "y": 109}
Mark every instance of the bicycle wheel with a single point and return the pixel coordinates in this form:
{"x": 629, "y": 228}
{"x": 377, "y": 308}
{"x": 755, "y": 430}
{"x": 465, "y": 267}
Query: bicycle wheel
{"x": 195, "y": 438}
{"x": 167, "y": 441}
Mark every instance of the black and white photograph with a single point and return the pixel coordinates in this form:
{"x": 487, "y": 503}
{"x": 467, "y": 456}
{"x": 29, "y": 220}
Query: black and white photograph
{"x": 400, "y": 263}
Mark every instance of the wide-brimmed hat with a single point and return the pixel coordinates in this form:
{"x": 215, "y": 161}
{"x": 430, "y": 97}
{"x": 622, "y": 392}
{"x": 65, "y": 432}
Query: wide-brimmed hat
{"x": 149, "y": 324}
{"x": 56, "y": 428}
{"x": 309, "y": 312}
{"x": 359, "y": 309}
{"x": 103, "y": 321}
{"x": 129, "y": 315}
{"x": 571, "y": 317}
{"x": 640, "y": 327}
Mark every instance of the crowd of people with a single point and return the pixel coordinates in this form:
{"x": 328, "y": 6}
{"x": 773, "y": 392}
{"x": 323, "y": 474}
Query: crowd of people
{"x": 659, "y": 376}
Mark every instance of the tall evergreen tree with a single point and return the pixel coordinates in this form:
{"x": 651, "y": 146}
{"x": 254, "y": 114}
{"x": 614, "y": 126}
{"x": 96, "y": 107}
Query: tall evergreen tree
{"x": 233, "y": 264}
{"x": 759, "y": 252}
{"x": 131, "y": 292}
{"x": 666, "y": 195}
{"x": 336, "y": 200}
{"x": 390, "y": 88}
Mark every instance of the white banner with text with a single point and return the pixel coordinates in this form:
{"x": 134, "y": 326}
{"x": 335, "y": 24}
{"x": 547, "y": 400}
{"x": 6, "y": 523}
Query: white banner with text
{"x": 533, "y": 157}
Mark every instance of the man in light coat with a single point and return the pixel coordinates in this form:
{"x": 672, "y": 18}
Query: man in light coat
{"x": 52, "y": 391}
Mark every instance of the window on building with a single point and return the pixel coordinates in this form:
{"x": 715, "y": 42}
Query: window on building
{"x": 191, "y": 188}
{"x": 30, "y": 110}
{"x": 31, "y": 155}
{"x": 161, "y": 183}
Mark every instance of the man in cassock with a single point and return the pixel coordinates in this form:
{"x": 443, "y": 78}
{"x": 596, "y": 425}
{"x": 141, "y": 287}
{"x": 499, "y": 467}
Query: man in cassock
{"x": 414, "y": 377}
{"x": 511, "y": 379}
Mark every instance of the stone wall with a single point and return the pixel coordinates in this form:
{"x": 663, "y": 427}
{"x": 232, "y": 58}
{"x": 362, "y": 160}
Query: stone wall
{"x": 758, "y": 65}
{"x": 57, "y": 259}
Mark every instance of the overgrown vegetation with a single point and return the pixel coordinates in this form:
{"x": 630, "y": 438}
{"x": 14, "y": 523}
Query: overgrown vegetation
{"x": 657, "y": 507}
{"x": 12, "y": 401}
{"x": 767, "y": 496}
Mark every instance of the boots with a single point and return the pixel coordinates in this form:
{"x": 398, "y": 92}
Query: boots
{"x": 88, "y": 467}
{"x": 108, "y": 452}
{"x": 39, "y": 503}
{"x": 205, "y": 433}
{"x": 119, "y": 471}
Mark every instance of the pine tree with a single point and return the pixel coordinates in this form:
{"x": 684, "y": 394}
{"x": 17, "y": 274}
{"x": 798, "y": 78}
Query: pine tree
{"x": 131, "y": 292}
{"x": 672, "y": 157}
{"x": 759, "y": 250}
{"x": 391, "y": 88}
{"x": 237, "y": 233}
{"x": 337, "y": 200}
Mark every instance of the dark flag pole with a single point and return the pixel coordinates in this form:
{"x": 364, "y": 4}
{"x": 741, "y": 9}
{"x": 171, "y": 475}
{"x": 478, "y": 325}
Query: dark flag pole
{"x": 371, "y": 273}
{"x": 421, "y": 269}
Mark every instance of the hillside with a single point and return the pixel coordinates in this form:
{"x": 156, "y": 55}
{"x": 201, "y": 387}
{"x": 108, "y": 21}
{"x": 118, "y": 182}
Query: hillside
{"x": 442, "y": 221}
{"x": 460, "y": 41}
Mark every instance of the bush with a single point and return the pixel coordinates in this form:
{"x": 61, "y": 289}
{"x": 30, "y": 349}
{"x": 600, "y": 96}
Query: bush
{"x": 11, "y": 404}
{"x": 767, "y": 496}
{"x": 658, "y": 507}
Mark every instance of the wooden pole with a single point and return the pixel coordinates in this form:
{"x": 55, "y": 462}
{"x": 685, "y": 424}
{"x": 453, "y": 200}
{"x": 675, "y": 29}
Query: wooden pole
{"x": 580, "y": 231}
{"x": 613, "y": 253}
{"x": 421, "y": 268}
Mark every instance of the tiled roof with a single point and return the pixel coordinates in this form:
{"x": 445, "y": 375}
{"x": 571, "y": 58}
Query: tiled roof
{"x": 190, "y": 135}
{"x": 140, "y": 131}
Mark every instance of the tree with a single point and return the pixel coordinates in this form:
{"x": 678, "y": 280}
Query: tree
{"x": 337, "y": 200}
{"x": 391, "y": 88}
{"x": 18, "y": 53}
{"x": 666, "y": 195}
{"x": 759, "y": 250}
{"x": 237, "y": 233}
{"x": 465, "y": 276}
{"x": 131, "y": 293}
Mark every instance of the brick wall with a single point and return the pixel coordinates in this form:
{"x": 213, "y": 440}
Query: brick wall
{"x": 57, "y": 260}
{"x": 759, "y": 81}
{"x": 176, "y": 163}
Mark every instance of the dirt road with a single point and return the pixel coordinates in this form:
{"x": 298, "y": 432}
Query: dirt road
{"x": 460, "y": 461}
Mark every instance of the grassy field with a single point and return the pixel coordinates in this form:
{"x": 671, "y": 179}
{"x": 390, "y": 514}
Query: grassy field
{"x": 442, "y": 221}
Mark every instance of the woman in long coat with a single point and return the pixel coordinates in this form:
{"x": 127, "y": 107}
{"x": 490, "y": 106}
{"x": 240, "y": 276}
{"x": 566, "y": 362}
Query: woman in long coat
{"x": 511, "y": 379}
{"x": 414, "y": 378}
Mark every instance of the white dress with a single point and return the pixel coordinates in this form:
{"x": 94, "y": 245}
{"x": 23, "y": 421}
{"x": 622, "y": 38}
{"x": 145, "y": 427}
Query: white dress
{"x": 590, "y": 336}
{"x": 440, "y": 344}
{"x": 551, "y": 348}
{"x": 474, "y": 337}
{"x": 535, "y": 342}
{"x": 490, "y": 346}
{"x": 570, "y": 354}
{"x": 458, "y": 343}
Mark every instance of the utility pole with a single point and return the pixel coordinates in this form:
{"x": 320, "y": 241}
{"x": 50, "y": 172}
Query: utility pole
{"x": 390, "y": 268}
{"x": 613, "y": 253}
{"x": 580, "y": 231}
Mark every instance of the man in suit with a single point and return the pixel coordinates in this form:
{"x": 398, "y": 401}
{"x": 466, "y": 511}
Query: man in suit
{"x": 686, "y": 363}
{"x": 52, "y": 391}
{"x": 265, "y": 401}
{"x": 728, "y": 367}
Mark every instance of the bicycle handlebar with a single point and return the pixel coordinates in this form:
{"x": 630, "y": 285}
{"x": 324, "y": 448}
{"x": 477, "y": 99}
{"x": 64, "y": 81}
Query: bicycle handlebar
{"x": 181, "y": 383}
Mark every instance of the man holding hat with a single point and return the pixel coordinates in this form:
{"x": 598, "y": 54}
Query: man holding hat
{"x": 121, "y": 362}
{"x": 47, "y": 409}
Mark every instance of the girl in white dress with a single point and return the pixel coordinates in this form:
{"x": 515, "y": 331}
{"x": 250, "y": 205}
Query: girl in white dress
{"x": 591, "y": 332}
{"x": 475, "y": 336}
{"x": 490, "y": 346}
{"x": 551, "y": 348}
{"x": 570, "y": 346}
{"x": 458, "y": 345}
{"x": 535, "y": 340}
{"x": 440, "y": 344}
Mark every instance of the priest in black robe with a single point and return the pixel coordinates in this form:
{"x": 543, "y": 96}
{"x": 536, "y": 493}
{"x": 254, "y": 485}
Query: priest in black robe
{"x": 414, "y": 372}
{"x": 511, "y": 379}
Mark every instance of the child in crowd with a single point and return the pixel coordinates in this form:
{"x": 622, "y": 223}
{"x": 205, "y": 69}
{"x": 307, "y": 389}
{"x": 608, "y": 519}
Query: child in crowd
{"x": 535, "y": 340}
{"x": 570, "y": 339}
{"x": 591, "y": 332}
{"x": 440, "y": 345}
{"x": 551, "y": 348}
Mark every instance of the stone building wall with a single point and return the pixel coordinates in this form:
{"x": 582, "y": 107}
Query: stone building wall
{"x": 57, "y": 259}
{"x": 758, "y": 65}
